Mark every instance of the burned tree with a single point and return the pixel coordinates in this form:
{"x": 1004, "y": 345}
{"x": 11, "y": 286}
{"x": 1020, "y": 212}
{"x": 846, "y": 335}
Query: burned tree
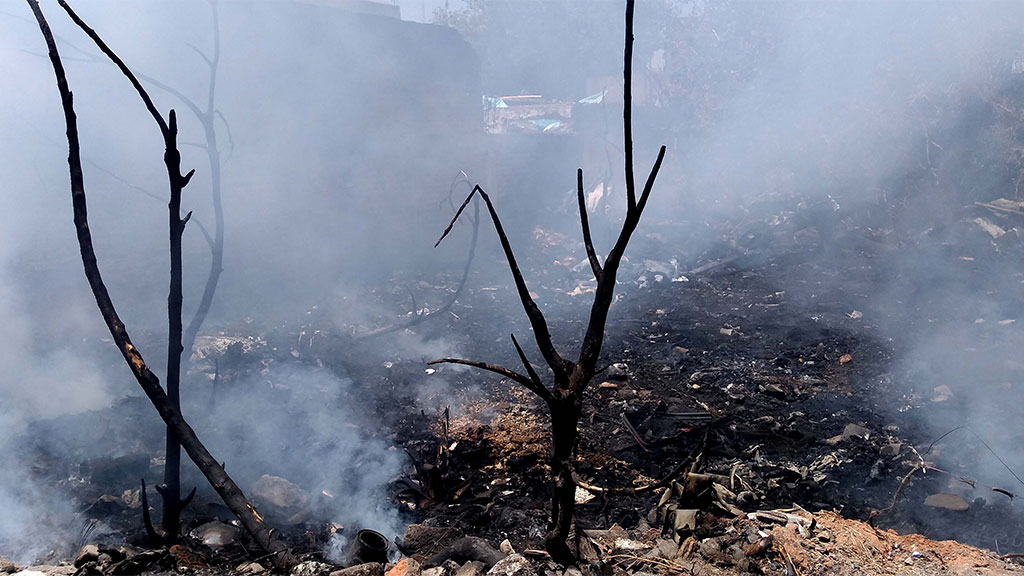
{"x": 564, "y": 399}
{"x": 165, "y": 402}
{"x": 170, "y": 491}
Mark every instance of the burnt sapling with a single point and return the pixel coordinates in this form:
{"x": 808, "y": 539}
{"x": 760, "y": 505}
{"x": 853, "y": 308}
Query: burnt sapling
{"x": 565, "y": 398}
{"x": 165, "y": 402}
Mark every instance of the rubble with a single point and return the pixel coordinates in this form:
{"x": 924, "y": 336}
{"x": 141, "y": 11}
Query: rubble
{"x": 216, "y": 534}
{"x": 367, "y": 569}
{"x": 281, "y": 500}
{"x": 512, "y": 565}
{"x": 311, "y": 568}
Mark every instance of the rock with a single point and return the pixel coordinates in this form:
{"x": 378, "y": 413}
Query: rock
{"x": 512, "y": 565}
{"x": 47, "y": 570}
{"x": 506, "y": 547}
{"x": 405, "y": 567}
{"x": 855, "y": 431}
{"x": 88, "y": 553}
{"x": 947, "y": 501}
{"x": 280, "y": 500}
{"x": 664, "y": 548}
{"x": 472, "y": 568}
{"x": 6, "y": 566}
{"x": 216, "y": 534}
{"x": 250, "y": 568}
{"x": 448, "y": 568}
{"x": 311, "y": 568}
{"x": 367, "y": 569}
{"x": 892, "y": 449}
{"x": 617, "y": 372}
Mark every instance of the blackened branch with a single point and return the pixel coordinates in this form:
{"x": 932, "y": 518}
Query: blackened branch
{"x": 588, "y": 242}
{"x": 118, "y": 62}
{"x": 540, "y": 389}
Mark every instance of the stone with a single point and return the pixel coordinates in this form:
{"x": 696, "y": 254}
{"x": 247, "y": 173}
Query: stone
{"x": 405, "y": 567}
{"x": 892, "y": 449}
{"x": 311, "y": 568}
{"x": 367, "y": 569}
{"x": 88, "y": 553}
{"x": 855, "y": 431}
{"x": 250, "y": 568}
{"x": 664, "y": 548}
{"x": 512, "y": 565}
{"x": 447, "y": 568}
{"x": 506, "y": 547}
{"x": 216, "y": 534}
{"x": 6, "y": 566}
{"x": 472, "y": 568}
{"x": 280, "y": 500}
{"x": 617, "y": 372}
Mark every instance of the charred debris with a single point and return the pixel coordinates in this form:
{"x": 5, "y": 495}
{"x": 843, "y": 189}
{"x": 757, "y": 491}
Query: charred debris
{"x": 738, "y": 400}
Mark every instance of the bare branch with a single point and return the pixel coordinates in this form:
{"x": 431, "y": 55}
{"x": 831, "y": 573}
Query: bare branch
{"x": 539, "y": 388}
{"x": 227, "y": 127}
{"x": 419, "y": 318}
{"x": 118, "y": 62}
{"x": 588, "y": 242}
{"x": 206, "y": 233}
{"x": 541, "y": 333}
{"x": 456, "y": 217}
{"x": 627, "y": 109}
{"x": 200, "y": 53}
{"x": 650, "y": 182}
{"x": 510, "y": 374}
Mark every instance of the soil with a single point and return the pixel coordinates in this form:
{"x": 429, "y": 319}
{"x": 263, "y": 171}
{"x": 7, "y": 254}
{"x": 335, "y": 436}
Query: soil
{"x": 791, "y": 354}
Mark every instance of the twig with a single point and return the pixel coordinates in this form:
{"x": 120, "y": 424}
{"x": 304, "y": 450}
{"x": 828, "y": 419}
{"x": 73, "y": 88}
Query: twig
{"x": 588, "y": 242}
{"x": 632, "y": 431}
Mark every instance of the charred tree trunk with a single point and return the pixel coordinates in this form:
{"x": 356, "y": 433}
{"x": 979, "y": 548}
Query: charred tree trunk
{"x": 565, "y": 398}
{"x": 565, "y": 417}
{"x": 227, "y": 489}
{"x": 171, "y": 490}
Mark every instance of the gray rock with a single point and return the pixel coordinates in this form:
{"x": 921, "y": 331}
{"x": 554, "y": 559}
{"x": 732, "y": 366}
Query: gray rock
{"x": 513, "y": 565}
{"x": 280, "y": 500}
{"x": 311, "y": 568}
{"x": 216, "y": 534}
{"x": 855, "y": 431}
{"x": 472, "y": 568}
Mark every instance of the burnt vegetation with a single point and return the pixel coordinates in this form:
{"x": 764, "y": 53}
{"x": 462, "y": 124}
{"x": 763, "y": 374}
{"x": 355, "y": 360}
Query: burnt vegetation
{"x": 787, "y": 347}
